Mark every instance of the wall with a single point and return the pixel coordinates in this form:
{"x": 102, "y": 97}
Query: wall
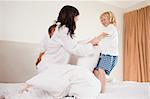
{"x": 27, "y": 21}
{"x": 138, "y": 6}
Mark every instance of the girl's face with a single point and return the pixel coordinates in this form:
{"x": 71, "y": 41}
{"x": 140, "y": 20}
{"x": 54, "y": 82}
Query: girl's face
{"x": 76, "y": 18}
{"x": 104, "y": 20}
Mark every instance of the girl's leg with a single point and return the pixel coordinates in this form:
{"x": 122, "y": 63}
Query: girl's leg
{"x": 102, "y": 78}
{"x": 100, "y": 74}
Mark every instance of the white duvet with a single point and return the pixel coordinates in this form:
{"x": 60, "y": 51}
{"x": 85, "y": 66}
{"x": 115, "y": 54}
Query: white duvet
{"x": 61, "y": 80}
{"x": 114, "y": 90}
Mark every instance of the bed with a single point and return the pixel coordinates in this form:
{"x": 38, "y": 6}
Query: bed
{"x": 114, "y": 90}
{"x": 26, "y": 70}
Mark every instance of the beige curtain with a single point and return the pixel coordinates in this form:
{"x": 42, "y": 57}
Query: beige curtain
{"x": 137, "y": 45}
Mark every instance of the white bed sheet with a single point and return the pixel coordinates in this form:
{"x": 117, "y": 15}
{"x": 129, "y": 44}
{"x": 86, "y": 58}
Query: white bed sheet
{"x": 114, "y": 90}
{"x": 126, "y": 90}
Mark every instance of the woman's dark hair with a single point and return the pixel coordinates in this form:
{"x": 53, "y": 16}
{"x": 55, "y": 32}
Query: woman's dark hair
{"x": 66, "y": 17}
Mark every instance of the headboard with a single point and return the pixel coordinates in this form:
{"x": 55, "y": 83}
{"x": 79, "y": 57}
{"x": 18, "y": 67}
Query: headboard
{"x": 17, "y": 61}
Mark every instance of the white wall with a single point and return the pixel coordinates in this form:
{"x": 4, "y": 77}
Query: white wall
{"x": 138, "y": 6}
{"x": 27, "y": 21}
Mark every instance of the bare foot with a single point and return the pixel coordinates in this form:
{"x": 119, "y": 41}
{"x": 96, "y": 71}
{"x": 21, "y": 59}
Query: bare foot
{"x": 25, "y": 88}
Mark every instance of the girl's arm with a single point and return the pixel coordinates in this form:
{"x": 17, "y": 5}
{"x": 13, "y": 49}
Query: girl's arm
{"x": 42, "y": 49}
{"x": 101, "y": 36}
{"x": 107, "y": 31}
{"x": 97, "y": 39}
{"x": 39, "y": 58}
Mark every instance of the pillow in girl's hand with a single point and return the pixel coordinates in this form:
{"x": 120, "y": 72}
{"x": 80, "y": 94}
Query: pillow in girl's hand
{"x": 89, "y": 62}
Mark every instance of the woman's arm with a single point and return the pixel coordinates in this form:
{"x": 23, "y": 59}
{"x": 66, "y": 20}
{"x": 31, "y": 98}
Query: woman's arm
{"x": 72, "y": 46}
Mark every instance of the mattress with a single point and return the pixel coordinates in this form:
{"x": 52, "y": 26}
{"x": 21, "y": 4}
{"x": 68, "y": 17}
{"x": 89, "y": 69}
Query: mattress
{"x": 114, "y": 90}
{"x": 126, "y": 90}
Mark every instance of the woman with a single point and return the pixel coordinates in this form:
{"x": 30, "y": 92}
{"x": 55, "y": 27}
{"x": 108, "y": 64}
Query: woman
{"x": 62, "y": 78}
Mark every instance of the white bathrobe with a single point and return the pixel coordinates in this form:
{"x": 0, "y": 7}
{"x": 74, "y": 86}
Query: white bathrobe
{"x": 60, "y": 78}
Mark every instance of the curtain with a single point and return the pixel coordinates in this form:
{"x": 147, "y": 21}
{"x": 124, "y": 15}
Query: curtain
{"x": 136, "y": 54}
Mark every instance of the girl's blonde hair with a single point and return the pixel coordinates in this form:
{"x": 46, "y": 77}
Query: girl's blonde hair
{"x": 110, "y": 16}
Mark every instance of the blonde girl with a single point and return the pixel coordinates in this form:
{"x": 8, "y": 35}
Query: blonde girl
{"x": 109, "y": 47}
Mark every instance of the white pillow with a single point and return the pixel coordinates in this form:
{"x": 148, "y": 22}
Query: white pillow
{"x": 89, "y": 62}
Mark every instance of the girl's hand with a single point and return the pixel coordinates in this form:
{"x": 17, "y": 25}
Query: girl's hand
{"x": 37, "y": 61}
{"x": 94, "y": 41}
{"x": 39, "y": 58}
